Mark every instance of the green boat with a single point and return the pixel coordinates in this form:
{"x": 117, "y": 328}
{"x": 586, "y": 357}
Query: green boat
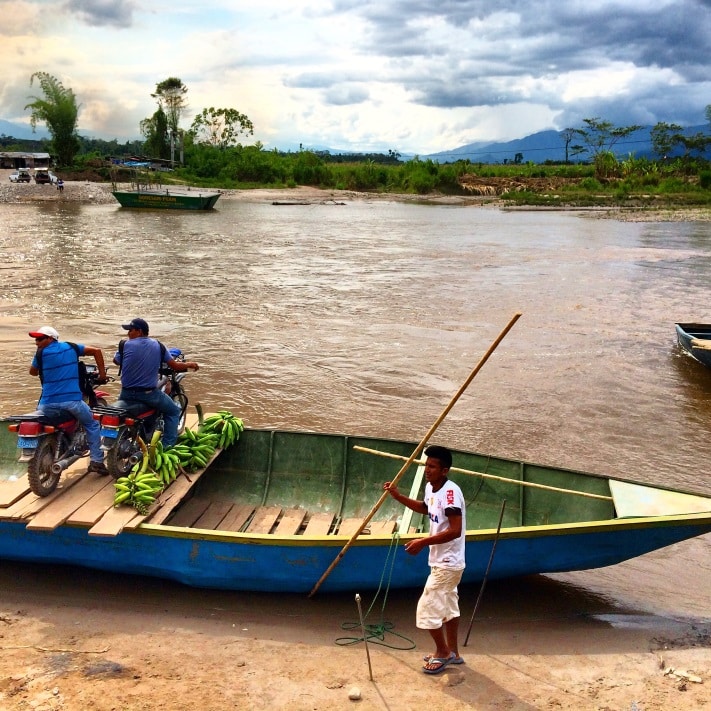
{"x": 167, "y": 198}
{"x": 273, "y": 512}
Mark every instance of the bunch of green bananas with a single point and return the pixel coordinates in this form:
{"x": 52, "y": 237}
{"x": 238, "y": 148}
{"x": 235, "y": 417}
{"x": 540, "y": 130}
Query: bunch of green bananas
{"x": 139, "y": 489}
{"x": 164, "y": 462}
{"x": 195, "y": 449}
{"x": 224, "y": 424}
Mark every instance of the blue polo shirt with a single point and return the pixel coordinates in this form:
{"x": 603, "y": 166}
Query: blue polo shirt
{"x": 142, "y": 358}
{"x": 60, "y": 374}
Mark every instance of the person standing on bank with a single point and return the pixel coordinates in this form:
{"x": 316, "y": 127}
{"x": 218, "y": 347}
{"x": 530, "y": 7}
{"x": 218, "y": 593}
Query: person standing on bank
{"x": 438, "y": 606}
{"x": 56, "y": 363}
{"x": 139, "y": 359}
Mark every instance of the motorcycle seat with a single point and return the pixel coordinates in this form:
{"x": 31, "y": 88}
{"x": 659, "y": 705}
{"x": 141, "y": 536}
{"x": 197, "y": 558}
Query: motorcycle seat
{"x": 63, "y": 417}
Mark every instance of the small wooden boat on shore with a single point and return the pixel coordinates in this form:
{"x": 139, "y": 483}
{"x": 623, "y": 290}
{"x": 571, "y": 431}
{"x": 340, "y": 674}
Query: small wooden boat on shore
{"x": 273, "y": 512}
{"x": 168, "y": 198}
{"x": 695, "y": 339}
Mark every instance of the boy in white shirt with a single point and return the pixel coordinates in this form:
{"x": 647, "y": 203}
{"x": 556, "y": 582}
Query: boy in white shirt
{"x": 438, "y": 607}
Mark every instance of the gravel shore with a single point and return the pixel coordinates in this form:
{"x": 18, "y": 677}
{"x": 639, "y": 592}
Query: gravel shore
{"x": 100, "y": 194}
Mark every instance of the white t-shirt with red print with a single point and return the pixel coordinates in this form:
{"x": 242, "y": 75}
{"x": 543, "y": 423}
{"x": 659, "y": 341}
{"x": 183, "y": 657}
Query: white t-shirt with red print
{"x": 451, "y": 554}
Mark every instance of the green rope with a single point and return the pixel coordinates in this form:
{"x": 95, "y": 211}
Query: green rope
{"x": 375, "y": 632}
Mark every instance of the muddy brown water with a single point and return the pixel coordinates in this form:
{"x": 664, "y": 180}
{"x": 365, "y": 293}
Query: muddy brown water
{"x": 367, "y": 317}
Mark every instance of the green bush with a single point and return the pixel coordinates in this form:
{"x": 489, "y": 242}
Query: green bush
{"x": 705, "y": 179}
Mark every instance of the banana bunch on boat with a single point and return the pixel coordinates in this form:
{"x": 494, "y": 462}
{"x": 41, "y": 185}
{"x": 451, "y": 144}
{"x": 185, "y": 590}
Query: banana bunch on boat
{"x": 139, "y": 489}
{"x": 224, "y": 424}
{"x": 148, "y": 477}
{"x": 194, "y": 449}
{"x": 165, "y": 463}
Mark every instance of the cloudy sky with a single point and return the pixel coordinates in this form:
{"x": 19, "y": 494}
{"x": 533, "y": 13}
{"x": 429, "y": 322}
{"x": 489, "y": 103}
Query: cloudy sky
{"x": 414, "y": 76}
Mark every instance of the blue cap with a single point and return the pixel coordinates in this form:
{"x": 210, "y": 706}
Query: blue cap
{"x": 138, "y": 323}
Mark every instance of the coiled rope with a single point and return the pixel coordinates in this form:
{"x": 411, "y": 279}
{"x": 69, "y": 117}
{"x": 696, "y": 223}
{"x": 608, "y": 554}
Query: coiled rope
{"x": 375, "y": 633}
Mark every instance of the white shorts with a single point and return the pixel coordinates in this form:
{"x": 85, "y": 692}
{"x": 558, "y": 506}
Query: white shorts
{"x": 439, "y": 601}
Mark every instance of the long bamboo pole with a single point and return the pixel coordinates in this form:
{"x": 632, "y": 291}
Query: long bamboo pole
{"x": 517, "y": 482}
{"x": 417, "y": 451}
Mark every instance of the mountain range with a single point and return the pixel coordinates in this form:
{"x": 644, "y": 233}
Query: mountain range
{"x": 536, "y": 148}
{"x": 550, "y": 146}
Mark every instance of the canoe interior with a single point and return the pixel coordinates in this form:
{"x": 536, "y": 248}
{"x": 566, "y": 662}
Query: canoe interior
{"x": 688, "y": 333}
{"x": 324, "y": 473}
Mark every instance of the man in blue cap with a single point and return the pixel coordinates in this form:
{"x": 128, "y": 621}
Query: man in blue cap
{"x": 139, "y": 359}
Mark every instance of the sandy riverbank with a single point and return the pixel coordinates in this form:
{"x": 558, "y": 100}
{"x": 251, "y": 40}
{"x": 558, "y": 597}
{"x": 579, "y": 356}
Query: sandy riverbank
{"x": 77, "y": 640}
{"x": 100, "y": 194}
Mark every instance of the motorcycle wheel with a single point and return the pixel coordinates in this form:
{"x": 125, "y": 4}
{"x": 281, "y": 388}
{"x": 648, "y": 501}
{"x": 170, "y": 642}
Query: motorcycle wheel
{"x": 39, "y": 469}
{"x": 118, "y": 458}
{"x": 181, "y": 400}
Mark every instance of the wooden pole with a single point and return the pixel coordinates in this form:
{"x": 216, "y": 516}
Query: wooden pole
{"x": 517, "y": 482}
{"x": 417, "y": 451}
{"x": 488, "y": 568}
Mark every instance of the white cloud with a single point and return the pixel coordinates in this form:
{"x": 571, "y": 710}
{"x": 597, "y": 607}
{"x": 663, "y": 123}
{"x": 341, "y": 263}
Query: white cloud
{"x": 370, "y": 75}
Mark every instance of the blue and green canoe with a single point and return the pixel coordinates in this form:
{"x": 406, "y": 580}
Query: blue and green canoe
{"x": 273, "y": 512}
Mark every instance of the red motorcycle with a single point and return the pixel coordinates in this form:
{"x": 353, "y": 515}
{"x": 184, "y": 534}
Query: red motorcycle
{"x": 51, "y": 444}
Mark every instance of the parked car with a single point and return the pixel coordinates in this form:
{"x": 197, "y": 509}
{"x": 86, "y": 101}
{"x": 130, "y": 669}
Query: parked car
{"x": 44, "y": 176}
{"x": 21, "y": 175}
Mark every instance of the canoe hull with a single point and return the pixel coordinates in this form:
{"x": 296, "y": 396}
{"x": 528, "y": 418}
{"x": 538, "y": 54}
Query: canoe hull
{"x": 167, "y": 199}
{"x": 689, "y": 333}
{"x": 556, "y": 520}
{"x": 260, "y": 564}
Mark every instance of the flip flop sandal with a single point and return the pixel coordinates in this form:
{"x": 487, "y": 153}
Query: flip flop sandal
{"x": 456, "y": 660}
{"x": 442, "y": 664}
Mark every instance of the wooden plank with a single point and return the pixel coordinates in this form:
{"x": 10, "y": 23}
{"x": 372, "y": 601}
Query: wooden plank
{"x": 290, "y": 522}
{"x": 12, "y": 491}
{"x": 264, "y": 519}
{"x": 189, "y": 512}
{"x": 90, "y": 512}
{"x": 113, "y": 521}
{"x": 378, "y": 528}
{"x": 319, "y": 524}
{"x": 57, "y": 512}
{"x": 32, "y": 504}
{"x": 349, "y": 526}
{"x": 214, "y": 513}
{"x": 236, "y": 518}
{"x": 170, "y": 499}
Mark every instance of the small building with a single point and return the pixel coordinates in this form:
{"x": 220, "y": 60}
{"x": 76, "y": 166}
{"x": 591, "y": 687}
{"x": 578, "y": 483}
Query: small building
{"x": 21, "y": 159}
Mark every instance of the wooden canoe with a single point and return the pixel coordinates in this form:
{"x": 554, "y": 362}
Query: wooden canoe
{"x": 273, "y": 512}
{"x": 695, "y": 339}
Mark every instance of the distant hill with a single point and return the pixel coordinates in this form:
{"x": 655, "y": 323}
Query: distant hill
{"x": 22, "y": 131}
{"x": 548, "y": 145}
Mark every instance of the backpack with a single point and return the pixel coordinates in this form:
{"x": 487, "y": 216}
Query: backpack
{"x": 84, "y": 383}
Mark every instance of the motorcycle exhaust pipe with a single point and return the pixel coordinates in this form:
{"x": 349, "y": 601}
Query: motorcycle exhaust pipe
{"x": 62, "y": 464}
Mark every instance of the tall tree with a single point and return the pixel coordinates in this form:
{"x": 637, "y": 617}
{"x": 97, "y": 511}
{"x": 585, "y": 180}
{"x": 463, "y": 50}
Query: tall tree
{"x": 220, "y": 127}
{"x": 600, "y": 136}
{"x": 155, "y": 130}
{"x": 58, "y": 109}
{"x": 170, "y": 94}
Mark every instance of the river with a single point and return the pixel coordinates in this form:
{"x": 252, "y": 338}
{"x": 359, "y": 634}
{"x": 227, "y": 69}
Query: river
{"x": 366, "y": 317}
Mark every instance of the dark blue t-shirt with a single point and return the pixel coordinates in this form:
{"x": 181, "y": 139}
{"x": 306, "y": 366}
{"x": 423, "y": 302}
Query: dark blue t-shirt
{"x": 141, "y": 362}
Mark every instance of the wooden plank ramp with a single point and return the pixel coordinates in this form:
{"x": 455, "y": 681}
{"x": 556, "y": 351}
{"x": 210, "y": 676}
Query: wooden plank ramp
{"x": 31, "y": 504}
{"x": 61, "y": 508}
{"x": 12, "y": 491}
{"x": 168, "y": 500}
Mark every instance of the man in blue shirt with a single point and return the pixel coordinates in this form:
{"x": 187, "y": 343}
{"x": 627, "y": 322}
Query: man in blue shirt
{"x": 57, "y": 366}
{"x": 140, "y": 359}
